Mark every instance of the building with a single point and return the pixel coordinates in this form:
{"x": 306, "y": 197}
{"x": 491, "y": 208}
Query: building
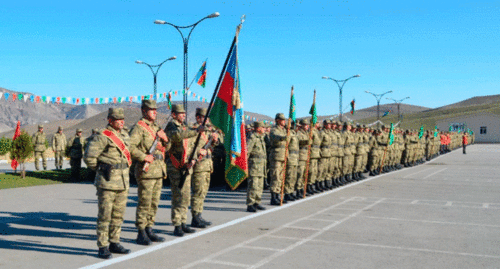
{"x": 486, "y": 126}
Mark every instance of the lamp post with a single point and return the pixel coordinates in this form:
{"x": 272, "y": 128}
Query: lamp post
{"x": 185, "y": 41}
{"x": 340, "y": 90}
{"x": 378, "y": 97}
{"x": 398, "y": 102}
{"x": 155, "y": 73}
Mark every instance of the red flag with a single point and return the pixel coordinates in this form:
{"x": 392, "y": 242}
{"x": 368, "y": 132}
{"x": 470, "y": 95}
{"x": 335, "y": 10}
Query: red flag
{"x": 14, "y": 163}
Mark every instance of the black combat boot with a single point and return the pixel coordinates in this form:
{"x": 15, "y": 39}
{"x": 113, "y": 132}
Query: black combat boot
{"x": 117, "y": 248}
{"x": 152, "y": 236}
{"x": 288, "y": 198}
{"x": 299, "y": 194}
{"x": 259, "y": 207}
{"x": 187, "y": 229}
{"x": 355, "y": 176}
{"x": 310, "y": 189}
{"x": 319, "y": 188}
{"x": 104, "y": 253}
{"x": 196, "y": 222}
{"x": 142, "y": 238}
{"x": 275, "y": 199}
{"x": 208, "y": 223}
{"x": 178, "y": 231}
{"x": 314, "y": 188}
{"x": 251, "y": 208}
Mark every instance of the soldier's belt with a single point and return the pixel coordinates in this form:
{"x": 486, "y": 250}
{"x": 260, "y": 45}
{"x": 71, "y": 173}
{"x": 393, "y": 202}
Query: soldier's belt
{"x": 258, "y": 156}
{"x": 158, "y": 157}
{"x": 325, "y": 147}
{"x": 293, "y": 152}
{"x": 315, "y": 146}
{"x": 119, "y": 166}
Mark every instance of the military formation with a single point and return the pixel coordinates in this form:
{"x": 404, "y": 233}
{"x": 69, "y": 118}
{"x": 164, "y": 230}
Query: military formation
{"x": 293, "y": 160}
{"x": 307, "y": 159}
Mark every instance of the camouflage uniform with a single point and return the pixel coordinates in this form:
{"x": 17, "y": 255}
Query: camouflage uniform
{"x": 324, "y": 161}
{"x": 278, "y": 144}
{"x": 112, "y": 179}
{"x": 292, "y": 166}
{"x": 349, "y": 151}
{"x": 313, "y": 161}
{"x": 149, "y": 177}
{"x": 182, "y": 143}
{"x": 257, "y": 159}
{"x": 75, "y": 150}
{"x": 59, "y": 147}
{"x": 303, "y": 137}
{"x": 39, "y": 140}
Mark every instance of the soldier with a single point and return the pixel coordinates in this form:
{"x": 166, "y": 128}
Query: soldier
{"x": 75, "y": 150}
{"x": 313, "y": 160}
{"x": 278, "y": 144}
{"x": 109, "y": 156}
{"x": 59, "y": 147}
{"x": 257, "y": 159}
{"x": 322, "y": 183}
{"x": 291, "y": 165}
{"x": 181, "y": 138}
{"x": 349, "y": 152}
{"x": 150, "y": 170}
{"x": 39, "y": 139}
{"x": 303, "y": 137}
{"x": 203, "y": 168}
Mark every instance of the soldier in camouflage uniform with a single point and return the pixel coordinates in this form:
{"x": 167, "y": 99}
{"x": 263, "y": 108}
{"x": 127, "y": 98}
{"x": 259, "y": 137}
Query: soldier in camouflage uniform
{"x": 341, "y": 180}
{"x": 203, "y": 168}
{"x": 150, "y": 170}
{"x": 75, "y": 149}
{"x": 278, "y": 144}
{"x": 109, "y": 156}
{"x": 313, "y": 160}
{"x": 324, "y": 161}
{"x": 349, "y": 152}
{"x": 256, "y": 150}
{"x": 59, "y": 147}
{"x": 292, "y": 165}
{"x": 182, "y": 138}
{"x": 303, "y": 137}
{"x": 39, "y": 139}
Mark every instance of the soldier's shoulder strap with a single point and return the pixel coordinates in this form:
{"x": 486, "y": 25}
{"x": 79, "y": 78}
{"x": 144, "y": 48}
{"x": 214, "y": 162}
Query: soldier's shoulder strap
{"x": 119, "y": 143}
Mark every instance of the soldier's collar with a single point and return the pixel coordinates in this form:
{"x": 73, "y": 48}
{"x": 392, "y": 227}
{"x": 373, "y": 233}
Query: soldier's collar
{"x": 148, "y": 122}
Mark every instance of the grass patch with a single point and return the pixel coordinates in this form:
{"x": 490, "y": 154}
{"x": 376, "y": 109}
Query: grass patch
{"x": 36, "y": 178}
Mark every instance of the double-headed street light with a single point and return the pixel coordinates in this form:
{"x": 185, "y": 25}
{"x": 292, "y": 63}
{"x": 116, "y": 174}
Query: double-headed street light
{"x": 155, "y": 72}
{"x": 378, "y": 97}
{"x": 398, "y": 102}
{"x": 340, "y": 90}
{"x": 185, "y": 41}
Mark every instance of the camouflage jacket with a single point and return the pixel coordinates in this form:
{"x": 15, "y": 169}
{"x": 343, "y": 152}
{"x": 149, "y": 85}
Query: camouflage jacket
{"x": 59, "y": 142}
{"x": 256, "y": 150}
{"x": 293, "y": 149}
{"x": 206, "y": 163}
{"x": 349, "y": 143}
{"x": 141, "y": 140}
{"x": 326, "y": 144}
{"x": 278, "y": 143}
{"x": 39, "y": 140}
{"x": 75, "y": 147}
{"x": 304, "y": 143}
{"x": 182, "y": 140}
{"x": 340, "y": 143}
{"x": 316, "y": 144}
{"x": 105, "y": 157}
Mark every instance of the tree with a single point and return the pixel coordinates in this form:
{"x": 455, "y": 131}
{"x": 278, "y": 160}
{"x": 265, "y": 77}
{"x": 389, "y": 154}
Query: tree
{"x": 22, "y": 149}
{"x": 5, "y": 145}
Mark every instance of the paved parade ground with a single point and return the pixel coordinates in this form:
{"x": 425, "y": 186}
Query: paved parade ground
{"x": 442, "y": 214}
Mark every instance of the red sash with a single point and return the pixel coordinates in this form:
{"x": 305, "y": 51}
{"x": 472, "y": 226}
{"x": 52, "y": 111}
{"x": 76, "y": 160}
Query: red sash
{"x": 148, "y": 129}
{"x": 119, "y": 143}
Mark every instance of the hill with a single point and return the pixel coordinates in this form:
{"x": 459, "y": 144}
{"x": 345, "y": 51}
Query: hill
{"x": 474, "y": 101}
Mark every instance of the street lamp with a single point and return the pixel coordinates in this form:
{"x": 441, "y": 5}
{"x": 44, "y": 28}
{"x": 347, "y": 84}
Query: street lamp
{"x": 378, "y": 97}
{"x": 155, "y": 72}
{"x": 398, "y": 103}
{"x": 340, "y": 90}
{"x": 185, "y": 41}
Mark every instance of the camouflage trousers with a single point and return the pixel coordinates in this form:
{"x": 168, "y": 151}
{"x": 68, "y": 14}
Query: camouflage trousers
{"x": 180, "y": 197}
{"x": 59, "y": 158}
{"x": 38, "y": 155}
{"x": 360, "y": 164}
{"x": 301, "y": 172}
{"x": 76, "y": 165}
{"x": 255, "y": 189}
{"x": 313, "y": 171}
{"x": 200, "y": 183}
{"x": 277, "y": 168}
{"x": 149, "y": 192}
{"x": 337, "y": 166}
{"x": 111, "y": 206}
{"x": 291, "y": 178}
{"x": 347, "y": 164}
{"x": 323, "y": 167}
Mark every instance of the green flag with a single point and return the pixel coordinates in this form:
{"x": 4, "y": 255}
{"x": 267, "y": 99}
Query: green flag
{"x": 292, "y": 108}
{"x": 436, "y": 131}
{"x": 421, "y": 133}
{"x": 391, "y": 135}
{"x": 314, "y": 114}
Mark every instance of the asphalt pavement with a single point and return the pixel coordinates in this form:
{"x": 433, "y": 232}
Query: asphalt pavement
{"x": 442, "y": 214}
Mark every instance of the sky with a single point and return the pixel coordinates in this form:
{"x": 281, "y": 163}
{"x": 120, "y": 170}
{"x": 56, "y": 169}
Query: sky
{"x": 435, "y": 52}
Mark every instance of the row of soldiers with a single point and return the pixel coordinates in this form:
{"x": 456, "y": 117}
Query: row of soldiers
{"x": 332, "y": 154}
{"x": 151, "y": 153}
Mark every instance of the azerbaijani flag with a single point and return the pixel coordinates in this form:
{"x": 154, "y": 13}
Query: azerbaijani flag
{"x": 201, "y": 77}
{"x": 386, "y": 113}
{"x": 17, "y": 133}
{"x": 353, "y": 105}
{"x": 227, "y": 115}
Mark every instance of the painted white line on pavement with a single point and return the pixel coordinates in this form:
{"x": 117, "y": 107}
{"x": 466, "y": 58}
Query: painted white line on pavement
{"x": 229, "y": 263}
{"x": 433, "y": 221}
{"x": 407, "y": 176}
{"x": 409, "y": 248}
{"x": 148, "y": 250}
{"x": 430, "y": 175}
{"x": 486, "y": 205}
{"x": 261, "y": 248}
{"x": 448, "y": 203}
{"x": 414, "y": 202}
{"x": 303, "y": 228}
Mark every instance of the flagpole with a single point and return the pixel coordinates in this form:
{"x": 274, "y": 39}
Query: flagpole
{"x": 309, "y": 148}
{"x": 191, "y": 157}
{"x": 286, "y": 153}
